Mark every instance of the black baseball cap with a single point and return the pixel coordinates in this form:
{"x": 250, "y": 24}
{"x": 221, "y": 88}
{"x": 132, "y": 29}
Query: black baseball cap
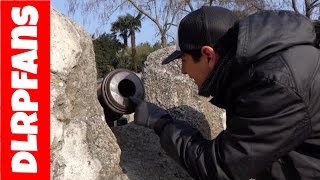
{"x": 201, "y": 27}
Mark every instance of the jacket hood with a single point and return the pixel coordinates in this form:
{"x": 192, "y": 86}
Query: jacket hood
{"x": 267, "y": 32}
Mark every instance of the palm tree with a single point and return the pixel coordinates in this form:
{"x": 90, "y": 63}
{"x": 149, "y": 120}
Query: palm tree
{"x": 134, "y": 26}
{"x": 127, "y": 26}
{"x": 121, "y": 26}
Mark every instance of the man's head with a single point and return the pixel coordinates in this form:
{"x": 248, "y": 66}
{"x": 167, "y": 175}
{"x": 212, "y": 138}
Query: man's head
{"x": 198, "y": 33}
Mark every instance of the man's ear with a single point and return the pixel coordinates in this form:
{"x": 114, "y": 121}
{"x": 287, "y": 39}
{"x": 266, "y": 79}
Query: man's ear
{"x": 210, "y": 54}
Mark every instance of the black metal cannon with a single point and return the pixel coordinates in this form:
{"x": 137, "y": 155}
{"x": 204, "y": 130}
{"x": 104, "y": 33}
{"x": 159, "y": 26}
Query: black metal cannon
{"x": 113, "y": 92}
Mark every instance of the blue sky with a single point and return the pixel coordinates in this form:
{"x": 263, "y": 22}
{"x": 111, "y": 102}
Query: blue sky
{"x": 91, "y": 25}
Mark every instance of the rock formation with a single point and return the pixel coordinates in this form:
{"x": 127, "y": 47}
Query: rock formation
{"x": 82, "y": 146}
{"x": 166, "y": 86}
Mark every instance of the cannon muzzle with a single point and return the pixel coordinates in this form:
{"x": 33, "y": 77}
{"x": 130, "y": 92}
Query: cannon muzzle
{"x": 113, "y": 92}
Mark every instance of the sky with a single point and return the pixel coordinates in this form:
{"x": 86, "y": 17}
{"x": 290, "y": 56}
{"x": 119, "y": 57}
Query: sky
{"x": 147, "y": 32}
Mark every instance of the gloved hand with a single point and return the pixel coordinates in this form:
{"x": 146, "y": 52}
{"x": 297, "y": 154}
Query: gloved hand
{"x": 146, "y": 114}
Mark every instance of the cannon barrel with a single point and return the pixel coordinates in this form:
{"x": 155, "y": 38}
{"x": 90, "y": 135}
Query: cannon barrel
{"x": 113, "y": 92}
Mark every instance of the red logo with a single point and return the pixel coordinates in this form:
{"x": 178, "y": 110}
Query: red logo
{"x": 25, "y": 89}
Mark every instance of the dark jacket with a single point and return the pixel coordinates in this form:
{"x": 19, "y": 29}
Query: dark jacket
{"x": 270, "y": 89}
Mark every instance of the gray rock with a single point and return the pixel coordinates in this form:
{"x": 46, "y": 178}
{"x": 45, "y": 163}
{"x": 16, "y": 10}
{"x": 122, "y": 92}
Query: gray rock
{"x": 142, "y": 157}
{"x": 166, "y": 86}
{"x": 82, "y": 145}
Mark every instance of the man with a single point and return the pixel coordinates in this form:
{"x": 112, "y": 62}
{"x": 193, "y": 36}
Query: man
{"x": 265, "y": 71}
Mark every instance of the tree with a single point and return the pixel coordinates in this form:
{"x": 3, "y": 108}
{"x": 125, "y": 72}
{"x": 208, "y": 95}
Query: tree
{"x": 245, "y": 7}
{"x": 308, "y": 9}
{"x": 163, "y": 14}
{"x": 156, "y": 46}
{"x": 121, "y": 27}
{"x": 106, "y": 47}
{"x": 134, "y": 25}
{"x": 143, "y": 51}
{"x": 241, "y": 7}
{"x": 127, "y": 26}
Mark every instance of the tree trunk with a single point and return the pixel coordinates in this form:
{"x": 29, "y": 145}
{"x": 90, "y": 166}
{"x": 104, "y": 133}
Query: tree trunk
{"x": 307, "y": 8}
{"x": 163, "y": 40}
{"x": 125, "y": 43}
{"x": 210, "y": 2}
{"x": 133, "y": 49}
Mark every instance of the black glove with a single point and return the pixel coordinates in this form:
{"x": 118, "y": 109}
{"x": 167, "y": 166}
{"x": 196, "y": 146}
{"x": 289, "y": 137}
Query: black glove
{"x": 146, "y": 114}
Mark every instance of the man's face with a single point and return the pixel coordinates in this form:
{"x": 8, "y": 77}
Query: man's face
{"x": 196, "y": 70}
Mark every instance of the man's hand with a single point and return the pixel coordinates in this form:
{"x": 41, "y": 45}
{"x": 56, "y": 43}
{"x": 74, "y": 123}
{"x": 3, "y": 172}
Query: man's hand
{"x": 146, "y": 114}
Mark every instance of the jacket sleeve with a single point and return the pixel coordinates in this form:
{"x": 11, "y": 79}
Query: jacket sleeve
{"x": 267, "y": 121}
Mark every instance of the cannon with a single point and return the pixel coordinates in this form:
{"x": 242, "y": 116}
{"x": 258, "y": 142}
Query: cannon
{"x": 113, "y": 92}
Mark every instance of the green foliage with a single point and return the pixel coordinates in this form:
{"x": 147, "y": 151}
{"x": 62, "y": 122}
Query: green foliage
{"x": 157, "y": 45}
{"x": 106, "y": 47}
{"x": 124, "y": 26}
{"x": 123, "y": 59}
{"x": 143, "y": 51}
{"x": 109, "y": 54}
{"x": 127, "y": 26}
{"x": 120, "y": 27}
{"x": 133, "y": 22}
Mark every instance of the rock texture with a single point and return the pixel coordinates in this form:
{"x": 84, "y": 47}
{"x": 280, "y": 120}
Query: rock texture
{"x": 168, "y": 87}
{"x": 82, "y": 145}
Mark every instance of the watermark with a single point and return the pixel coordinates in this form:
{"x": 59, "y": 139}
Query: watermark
{"x": 25, "y": 89}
